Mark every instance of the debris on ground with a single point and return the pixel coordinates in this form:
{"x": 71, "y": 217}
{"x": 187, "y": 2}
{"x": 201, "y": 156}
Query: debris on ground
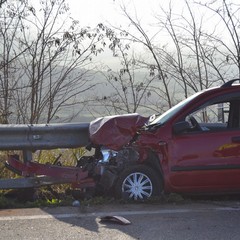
{"x": 115, "y": 219}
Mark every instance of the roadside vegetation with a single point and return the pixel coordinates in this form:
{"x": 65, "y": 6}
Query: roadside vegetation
{"x": 56, "y": 195}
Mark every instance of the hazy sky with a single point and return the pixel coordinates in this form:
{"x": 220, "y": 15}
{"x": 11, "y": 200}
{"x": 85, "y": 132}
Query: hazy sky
{"x": 91, "y": 12}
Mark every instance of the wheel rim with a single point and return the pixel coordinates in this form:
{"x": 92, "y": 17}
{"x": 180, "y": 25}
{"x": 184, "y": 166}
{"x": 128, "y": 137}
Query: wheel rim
{"x": 138, "y": 186}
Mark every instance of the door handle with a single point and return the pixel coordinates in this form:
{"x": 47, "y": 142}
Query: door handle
{"x": 236, "y": 139}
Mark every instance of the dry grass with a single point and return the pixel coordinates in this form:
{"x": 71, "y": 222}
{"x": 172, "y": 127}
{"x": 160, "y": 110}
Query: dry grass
{"x": 54, "y": 195}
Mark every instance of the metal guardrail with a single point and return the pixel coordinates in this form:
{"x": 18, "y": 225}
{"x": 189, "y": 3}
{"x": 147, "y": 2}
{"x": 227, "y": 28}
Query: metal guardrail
{"x": 43, "y": 136}
{"x": 29, "y": 138}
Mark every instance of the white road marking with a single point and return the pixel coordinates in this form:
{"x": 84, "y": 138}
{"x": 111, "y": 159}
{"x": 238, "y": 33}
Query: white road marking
{"x": 125, "y": 213}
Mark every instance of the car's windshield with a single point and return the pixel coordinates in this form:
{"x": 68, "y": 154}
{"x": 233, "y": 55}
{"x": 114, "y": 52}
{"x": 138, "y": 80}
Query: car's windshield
{"x": 169, "y": 113}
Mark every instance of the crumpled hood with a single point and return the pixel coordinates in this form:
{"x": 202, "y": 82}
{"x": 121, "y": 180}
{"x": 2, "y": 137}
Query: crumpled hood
{"x": 115, "y": 131}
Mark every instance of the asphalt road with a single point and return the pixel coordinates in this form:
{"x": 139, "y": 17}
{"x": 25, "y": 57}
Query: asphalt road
{"x": 204, "y": 220}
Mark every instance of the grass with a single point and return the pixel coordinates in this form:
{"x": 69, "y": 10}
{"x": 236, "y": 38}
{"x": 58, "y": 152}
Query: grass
{"x": 44, "y": 196}
{"x": 6, "y": 203}
{"x": 49, "y": 198}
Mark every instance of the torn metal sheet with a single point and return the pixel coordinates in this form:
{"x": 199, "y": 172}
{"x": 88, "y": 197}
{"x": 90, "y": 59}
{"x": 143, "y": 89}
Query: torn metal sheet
{"x": 115, "y": 131}
{"x": 115, "y": 219}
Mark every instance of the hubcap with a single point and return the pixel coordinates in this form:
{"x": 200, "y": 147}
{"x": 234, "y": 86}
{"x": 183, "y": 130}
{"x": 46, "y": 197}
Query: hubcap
{"x": 138, "y": 186}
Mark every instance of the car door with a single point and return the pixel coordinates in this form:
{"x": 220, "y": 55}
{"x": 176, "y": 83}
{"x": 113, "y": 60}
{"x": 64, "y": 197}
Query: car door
{"x": 207, "y": 156}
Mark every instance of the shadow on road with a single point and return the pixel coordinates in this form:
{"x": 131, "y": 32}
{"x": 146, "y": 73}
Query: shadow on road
{"x": 84, "y": 221}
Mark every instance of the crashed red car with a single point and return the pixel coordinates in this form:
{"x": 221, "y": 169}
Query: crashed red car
{"x": 192, "y": 148}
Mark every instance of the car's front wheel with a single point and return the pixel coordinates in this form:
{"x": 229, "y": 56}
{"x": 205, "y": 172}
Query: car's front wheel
{"x": 138, "y": 182}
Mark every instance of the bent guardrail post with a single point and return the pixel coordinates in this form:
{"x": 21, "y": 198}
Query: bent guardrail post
{"x": 29, "y": 138}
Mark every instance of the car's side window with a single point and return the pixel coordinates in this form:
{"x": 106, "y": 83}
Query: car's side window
{"x": 213, "y": 117}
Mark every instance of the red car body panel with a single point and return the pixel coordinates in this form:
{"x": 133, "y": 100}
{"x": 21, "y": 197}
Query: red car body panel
{"x": 203, "y": 166}
{"x": 115, "y": 131}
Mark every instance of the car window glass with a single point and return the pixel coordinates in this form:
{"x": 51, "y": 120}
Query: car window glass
{"x": 210, "y": 118}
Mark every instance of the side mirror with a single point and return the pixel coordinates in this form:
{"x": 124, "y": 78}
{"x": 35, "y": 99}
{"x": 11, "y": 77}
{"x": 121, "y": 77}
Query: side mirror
{"x": 180, "y": 127}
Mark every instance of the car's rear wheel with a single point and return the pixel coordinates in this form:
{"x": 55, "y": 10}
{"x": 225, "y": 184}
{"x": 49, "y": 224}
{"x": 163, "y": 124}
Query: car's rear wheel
{"x": 138, "y": 182}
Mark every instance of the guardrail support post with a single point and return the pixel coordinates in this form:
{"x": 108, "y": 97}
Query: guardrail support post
{"x": 27, "y": 156}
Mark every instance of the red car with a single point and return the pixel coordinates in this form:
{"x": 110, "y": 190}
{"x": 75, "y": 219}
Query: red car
{"x": 194, "y": 147}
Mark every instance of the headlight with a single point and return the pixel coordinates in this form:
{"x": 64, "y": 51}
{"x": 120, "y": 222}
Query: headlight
{"x": 107, "y": 154}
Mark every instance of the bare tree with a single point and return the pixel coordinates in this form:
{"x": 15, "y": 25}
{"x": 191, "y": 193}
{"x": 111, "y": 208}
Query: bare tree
{"x": 130, "y": 87}
{"x": 187, "y": 64}
{"x": 155, "y": 66}
{"x": 55, "y": 64}
{"x": 2, "y": 2}
{"x": 200, "y": 57}
{"x": 10, "y": 24}
{"x": 228, "y": 37}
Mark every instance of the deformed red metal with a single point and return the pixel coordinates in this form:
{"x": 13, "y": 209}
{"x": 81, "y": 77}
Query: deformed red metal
{"x": 115, "y": 131}
{"x": 75, "y": 175}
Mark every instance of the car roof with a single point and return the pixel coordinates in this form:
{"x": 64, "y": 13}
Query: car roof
{"x": 229, "y": 86}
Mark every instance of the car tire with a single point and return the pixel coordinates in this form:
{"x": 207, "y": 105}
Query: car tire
{"x": 138, "y": 182}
